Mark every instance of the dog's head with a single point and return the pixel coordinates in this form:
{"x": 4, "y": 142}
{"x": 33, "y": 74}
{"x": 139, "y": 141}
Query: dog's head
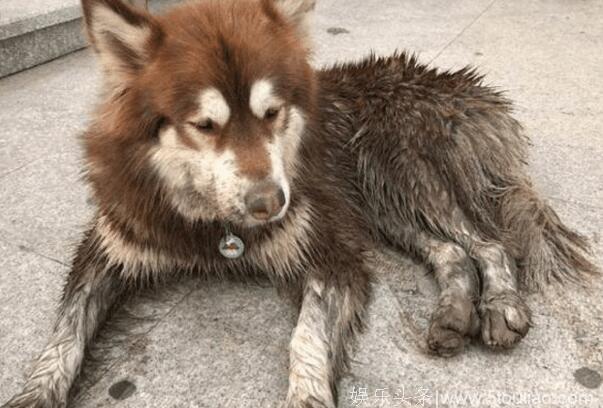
{"x": 231, "y": 84}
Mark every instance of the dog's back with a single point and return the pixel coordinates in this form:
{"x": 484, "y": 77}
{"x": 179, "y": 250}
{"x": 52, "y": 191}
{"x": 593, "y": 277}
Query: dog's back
{"x": 425, "y": 146}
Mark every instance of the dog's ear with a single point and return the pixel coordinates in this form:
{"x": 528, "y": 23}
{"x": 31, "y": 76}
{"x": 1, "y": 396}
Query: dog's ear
{"x": 123, "y": 36}
{"x": 298, "y": 12}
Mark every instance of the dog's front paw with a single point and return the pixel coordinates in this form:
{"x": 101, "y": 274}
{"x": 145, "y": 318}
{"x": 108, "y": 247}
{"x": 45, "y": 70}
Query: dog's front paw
{"x": 306, "y": 391}
{"x": 33, "y": 399}
{"x": 308, "y": 403}
{"x": 505, "y": 320}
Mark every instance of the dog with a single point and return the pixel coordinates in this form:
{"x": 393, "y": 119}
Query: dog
{"x": 216, "y": 149}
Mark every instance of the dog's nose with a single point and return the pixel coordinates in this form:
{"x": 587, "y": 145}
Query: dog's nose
{"x": 265, "y": 200}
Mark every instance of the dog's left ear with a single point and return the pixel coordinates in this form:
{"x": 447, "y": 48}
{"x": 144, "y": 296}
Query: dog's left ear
{"x": 297, "y": 12}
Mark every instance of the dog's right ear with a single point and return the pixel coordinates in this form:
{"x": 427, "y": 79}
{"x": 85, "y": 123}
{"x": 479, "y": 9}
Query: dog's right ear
{"x": 297, "y": 12}
{"x": 123, "y": 36}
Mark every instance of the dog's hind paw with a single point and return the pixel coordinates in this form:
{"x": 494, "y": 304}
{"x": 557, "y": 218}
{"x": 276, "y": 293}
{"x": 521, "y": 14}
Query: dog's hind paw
{"x": 452, "y": 323}
{"x": 505, "y": 320}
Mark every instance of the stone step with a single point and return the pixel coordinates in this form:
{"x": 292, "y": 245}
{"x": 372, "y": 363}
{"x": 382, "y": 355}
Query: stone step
{"x": 33, "y": 32}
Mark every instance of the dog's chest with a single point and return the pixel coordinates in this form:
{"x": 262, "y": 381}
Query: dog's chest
{"x": 280, "y": 251}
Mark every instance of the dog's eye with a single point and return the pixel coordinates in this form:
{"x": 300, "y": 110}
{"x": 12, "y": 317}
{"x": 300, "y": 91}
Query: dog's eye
{"x": 271, "y": 113}
{"x": 205, "y": 125}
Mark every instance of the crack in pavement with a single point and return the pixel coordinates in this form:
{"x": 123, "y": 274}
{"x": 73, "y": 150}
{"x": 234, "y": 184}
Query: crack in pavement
{"x": 462, "y": 31}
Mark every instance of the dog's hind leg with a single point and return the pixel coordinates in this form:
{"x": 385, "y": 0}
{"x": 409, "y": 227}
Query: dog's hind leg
{"x": 90, "y": 291}
{"x": 455, "y": 318}
{"x": 329, "y": 317}
{"x": 504, "y": 315}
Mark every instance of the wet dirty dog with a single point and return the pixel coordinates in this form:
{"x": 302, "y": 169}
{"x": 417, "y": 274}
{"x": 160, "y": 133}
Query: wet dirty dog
{"x": 218, "y": 149}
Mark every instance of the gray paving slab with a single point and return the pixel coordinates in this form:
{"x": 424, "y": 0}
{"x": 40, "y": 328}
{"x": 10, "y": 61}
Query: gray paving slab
{"x": 45, "y": 109}
{"x": 548, "y": 62}
{"x": 125, "y": 335}
{"x": 230, "y": 352}
{"x": 30, "y": 287}
{"x": 567, "y": 172}
{"x": 226, "y": 345}
{"x": 221, "y": 345}
{"x": 583, "y": 218}
{"x": 344, "y": 30}
{"x": 43, "y": 200}
{"x": 46, "y": 211}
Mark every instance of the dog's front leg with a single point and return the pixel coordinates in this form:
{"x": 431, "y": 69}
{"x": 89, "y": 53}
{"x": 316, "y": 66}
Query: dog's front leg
{"x": 330, "y": 314}
{"x": 91, "y": 289}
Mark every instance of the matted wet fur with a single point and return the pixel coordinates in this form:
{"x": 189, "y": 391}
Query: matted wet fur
{"x": 213, "y": 121}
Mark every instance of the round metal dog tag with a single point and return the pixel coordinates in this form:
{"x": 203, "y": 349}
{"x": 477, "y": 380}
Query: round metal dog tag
{"x": 231, "y": 246}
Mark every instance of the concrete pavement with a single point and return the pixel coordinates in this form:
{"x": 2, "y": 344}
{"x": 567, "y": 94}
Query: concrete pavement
{"x": 207, "y": 344}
